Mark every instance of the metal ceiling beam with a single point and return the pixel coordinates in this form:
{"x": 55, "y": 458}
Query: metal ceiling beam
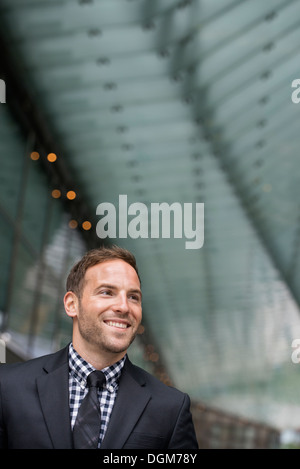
{"x": 202, "y": 112}
{"x": 220, "y": 152}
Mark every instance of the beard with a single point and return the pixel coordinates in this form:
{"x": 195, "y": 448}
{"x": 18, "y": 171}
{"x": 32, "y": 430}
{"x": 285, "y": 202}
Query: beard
{"x": 96, "y": 333}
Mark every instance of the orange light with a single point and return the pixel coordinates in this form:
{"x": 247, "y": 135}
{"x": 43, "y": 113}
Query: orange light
{"x": 71, "y": 195}
{"x": 154, "y": 357}
{"x": 86, "y": 225}
{"x": 73, "y": 224}
{"x": 56, "y": 193}
{"x": 34, "y": 155}
{"x": 52, "y": 157}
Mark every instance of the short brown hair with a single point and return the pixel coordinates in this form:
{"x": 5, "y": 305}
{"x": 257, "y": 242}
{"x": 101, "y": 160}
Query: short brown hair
{"x": 75, "y": 280}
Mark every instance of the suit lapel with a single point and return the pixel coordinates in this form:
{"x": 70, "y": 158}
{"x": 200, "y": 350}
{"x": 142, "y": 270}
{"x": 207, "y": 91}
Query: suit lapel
{"x": 131, "y": 400}
{"x": 53, "y": 389}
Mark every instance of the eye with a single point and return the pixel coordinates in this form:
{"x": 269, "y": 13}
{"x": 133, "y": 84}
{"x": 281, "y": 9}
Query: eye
{"x": 135, "y": 297}
{"x": 106, "y": 292}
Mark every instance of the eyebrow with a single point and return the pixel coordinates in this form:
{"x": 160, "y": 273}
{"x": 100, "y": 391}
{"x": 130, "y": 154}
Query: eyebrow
{"x": 114, "y": 287}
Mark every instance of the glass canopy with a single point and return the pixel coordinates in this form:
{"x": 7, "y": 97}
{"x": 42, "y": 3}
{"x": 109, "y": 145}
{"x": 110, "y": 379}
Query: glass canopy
{"x": 187, "y": 102}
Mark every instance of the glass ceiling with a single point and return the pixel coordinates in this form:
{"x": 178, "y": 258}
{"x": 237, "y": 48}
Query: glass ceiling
{"x": 187, "y": 101}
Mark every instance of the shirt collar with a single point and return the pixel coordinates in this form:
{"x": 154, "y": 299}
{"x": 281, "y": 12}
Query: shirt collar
{"x": 80, "y": 369}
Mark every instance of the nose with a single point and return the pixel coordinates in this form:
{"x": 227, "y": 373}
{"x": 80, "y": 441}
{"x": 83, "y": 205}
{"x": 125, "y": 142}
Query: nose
{"x": 121, "y": 304}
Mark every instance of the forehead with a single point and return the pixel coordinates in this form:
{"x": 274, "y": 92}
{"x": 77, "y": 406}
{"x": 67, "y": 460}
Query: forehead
{"x": 115, "y": 271}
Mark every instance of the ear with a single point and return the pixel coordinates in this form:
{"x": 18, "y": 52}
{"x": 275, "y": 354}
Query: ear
{"x": 71, "y": 304}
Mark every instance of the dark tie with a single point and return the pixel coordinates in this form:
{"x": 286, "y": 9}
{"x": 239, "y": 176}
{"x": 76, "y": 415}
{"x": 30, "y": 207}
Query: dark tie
{"x": 87, "y": 425}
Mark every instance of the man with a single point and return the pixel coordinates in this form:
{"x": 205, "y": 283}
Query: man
{"x": 46, "y": 402}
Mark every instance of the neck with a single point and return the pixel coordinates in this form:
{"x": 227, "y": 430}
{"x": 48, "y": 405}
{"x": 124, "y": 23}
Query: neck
{"x": 97, "y": 358}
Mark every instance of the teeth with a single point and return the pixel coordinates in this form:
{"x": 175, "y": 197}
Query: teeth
{"x": 117, "y": 324}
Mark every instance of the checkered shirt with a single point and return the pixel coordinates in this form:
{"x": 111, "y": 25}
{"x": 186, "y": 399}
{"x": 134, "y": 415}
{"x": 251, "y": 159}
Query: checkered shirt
{"x": 79, "y": 370}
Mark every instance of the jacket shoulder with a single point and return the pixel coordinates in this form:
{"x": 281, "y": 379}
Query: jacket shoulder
{"x": 143, "y": 377}
{"x": 34, "y": 365}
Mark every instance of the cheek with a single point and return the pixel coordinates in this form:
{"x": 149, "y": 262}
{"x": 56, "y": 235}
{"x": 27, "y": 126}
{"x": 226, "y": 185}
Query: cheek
{"x": 94, "y": 305}
{"x": 138, "y": 314}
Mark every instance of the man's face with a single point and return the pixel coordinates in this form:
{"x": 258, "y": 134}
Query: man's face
{"x": 109, "y": 311}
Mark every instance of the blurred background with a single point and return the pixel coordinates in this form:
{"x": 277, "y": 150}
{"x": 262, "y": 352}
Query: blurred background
{"x": 186, "y": 101}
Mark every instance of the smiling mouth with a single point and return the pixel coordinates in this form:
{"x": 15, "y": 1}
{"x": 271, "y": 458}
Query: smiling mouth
{"x": 119, "y": 325}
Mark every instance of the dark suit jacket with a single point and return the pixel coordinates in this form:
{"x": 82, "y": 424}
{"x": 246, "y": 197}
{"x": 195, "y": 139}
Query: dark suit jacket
{"x": 34, "y": 409}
